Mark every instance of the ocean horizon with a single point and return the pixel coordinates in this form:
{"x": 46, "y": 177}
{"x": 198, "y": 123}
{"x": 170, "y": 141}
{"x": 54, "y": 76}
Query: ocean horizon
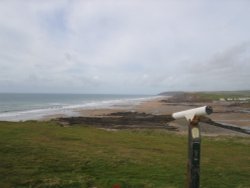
{"x": 34, "y": 106}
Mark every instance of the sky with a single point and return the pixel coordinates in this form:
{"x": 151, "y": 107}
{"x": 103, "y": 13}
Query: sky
{"x": 124, "y": 46}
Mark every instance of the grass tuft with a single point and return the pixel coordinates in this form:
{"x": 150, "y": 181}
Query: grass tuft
{"x": 42, "y": 154}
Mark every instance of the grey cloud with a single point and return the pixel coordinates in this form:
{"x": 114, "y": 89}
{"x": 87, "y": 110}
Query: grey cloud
{"x": 229, "y": 60}
{"x": 228, "y": 69}
{"x": 123, "y": 46}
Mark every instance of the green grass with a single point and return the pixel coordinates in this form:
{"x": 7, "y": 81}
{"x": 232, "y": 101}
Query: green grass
{"x": 42, "y": 154}
{"x": 223, "y": 94}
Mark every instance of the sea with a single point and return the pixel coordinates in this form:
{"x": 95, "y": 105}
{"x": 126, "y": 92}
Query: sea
{"x": 21, "y": 107}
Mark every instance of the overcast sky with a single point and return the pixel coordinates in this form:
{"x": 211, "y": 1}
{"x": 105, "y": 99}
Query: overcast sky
{"x": 124, "y": 46}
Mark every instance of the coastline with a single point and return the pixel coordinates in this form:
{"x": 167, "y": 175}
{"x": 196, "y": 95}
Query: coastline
{"x": 144, "y": 105}
{"x": 156, "y": 106}
{"x": 72, "y": 110}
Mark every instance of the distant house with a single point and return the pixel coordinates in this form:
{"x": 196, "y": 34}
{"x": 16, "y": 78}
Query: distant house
{"x": 238, "y": 99}
{"x": 244, "y": 99}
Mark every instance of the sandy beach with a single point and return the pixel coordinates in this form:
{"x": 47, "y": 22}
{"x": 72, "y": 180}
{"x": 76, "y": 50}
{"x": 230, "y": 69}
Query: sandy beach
{"x": 223, "y": 113}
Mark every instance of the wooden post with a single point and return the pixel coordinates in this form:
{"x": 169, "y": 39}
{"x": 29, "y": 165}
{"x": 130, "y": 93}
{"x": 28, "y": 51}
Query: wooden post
{"x": 194, "y": 142}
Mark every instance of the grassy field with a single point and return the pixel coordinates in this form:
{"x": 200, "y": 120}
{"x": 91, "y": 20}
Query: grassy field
{"x": 42, "y": 154}
{"x": 223, "y": 94}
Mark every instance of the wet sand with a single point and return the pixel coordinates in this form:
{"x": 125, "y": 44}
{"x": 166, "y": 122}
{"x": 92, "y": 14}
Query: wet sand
{"x": 223, "y": 112}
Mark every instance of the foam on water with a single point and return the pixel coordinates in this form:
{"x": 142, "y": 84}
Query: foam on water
{"x": 71, "y": 109}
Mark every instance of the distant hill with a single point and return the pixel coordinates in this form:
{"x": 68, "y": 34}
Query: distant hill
{"x": 177, "y": 97}
{"x": 243, "y": 93}
{"x": 204, "y": 96}
{"x": 171, "y": 93}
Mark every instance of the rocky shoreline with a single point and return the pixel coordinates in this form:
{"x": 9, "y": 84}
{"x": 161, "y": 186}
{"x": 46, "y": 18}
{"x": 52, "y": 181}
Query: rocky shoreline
{"x": 156, "y": 114}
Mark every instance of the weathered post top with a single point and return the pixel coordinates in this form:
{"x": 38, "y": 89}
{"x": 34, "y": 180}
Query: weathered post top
{"x": 190, "y": 114}
{"x": 194, "y": 142}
